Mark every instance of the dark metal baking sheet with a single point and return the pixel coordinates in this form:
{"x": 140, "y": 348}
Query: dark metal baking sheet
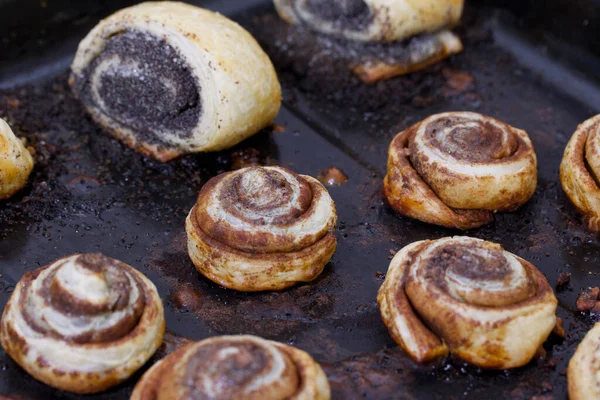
{"x": 89, "y": 193}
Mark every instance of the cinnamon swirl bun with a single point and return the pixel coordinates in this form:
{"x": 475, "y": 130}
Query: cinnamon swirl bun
{"x": 383, "y": 21}
{"x": 457, "y": 169}
{"x": 234, "y": 367}
{"x": 580, "y": 171}
{"x": 468, "y": 297}
{"x": 16, "y": 162}
{"x": 83, "y": 323}
{"x": 261, "y": 228}
{"x": 169, "y": 78}
{"x": 582, "y": 374}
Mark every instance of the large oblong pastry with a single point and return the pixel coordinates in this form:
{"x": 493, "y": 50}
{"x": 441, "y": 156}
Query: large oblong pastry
{"x": 169, "y": 78}
{"x": 406, "y": 35}
{"x": 372, "y": 20}
{"x": 234, "y": 367}
{"x": 468, "y": 297}
{"x": 456, "y": 169}
{"x": 583, "y": 373}
{"x": 261, "y": 228}
{"x": 82, "y": 324}
{"x": 580, "y": 171}
{"x": 16, "y": 162}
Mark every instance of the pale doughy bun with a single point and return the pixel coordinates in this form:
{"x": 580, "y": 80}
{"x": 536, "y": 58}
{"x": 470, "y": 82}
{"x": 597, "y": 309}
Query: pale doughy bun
{"x": 372, "y": 20}
{"x": 169, "y": 78}
{"x": 15, "y": 162}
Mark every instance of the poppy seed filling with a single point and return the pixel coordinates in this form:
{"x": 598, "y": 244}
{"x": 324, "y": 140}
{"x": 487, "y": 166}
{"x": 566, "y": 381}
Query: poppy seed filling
{"x": 142, "y": 83}
{"x": 347, "y": 14}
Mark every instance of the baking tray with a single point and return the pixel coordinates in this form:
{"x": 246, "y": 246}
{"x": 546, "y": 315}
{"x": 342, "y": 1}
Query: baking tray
{"x": 530, "y": 66}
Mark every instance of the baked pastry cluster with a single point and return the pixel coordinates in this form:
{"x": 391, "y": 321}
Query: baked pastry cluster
{"x": 83, "y": 324}
{"x": 169, "y": 78}
{"x": 234, "y": 367}
{"x": 468, "y": 297}
{"x": 261, "y": 228}
{"x": 383, "y": 21}
{"x": 16, "y": 162}
{"x": 457, "y": 169}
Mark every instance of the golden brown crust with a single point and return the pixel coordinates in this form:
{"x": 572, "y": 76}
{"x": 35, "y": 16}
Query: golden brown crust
{"x": 456, "y": 169}
{"x": 261, "y": 228}
{"x": 16, "y": 162}
{"x": 582, "y": 373}
{"x": 577, "y": 175}
{"x": 446, "y": 44}
{"x": 467, "y": 297}
{"x": 235, "y": 367}
{"x": 83, "y": 324}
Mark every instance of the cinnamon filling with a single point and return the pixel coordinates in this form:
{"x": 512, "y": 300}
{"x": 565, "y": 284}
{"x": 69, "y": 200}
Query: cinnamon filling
{"x": 469, "y": 140}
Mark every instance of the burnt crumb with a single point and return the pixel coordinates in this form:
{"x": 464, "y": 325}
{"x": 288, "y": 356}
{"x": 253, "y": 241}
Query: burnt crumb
{"x": 278, "y": 128}
{"x": 422, "y": 101}
{"x": 332, "y": 176}
{"x": 547, "y": 386}
{"x": 588, "y": 300}
{"x": 563, "y": 280}
{"x": 559, "y": 329}
{"x": 171, "y": 342}
{"x": 457, "y": 82}
{"x": 242, "y": 158}
{"x": 185, "y": 298}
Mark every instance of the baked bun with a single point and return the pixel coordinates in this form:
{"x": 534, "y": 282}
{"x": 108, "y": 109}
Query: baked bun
{"x": 83, "y": 324}
{"x": 372, "y": 20}
{"x": 468, "y": 297}
{"x": 234, "y": 367}
{"x": 261, "y": 228}
{"x": 456, "y": 169}
{"x": 169, "y": 78}
{"x": 580, "y": 170}
{"x": 16, "y": 162}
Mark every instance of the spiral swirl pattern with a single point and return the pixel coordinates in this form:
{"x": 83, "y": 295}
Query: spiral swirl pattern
{"x": 16, "y": 162}
{"x": 580, "y": 171}
{"x": 584, "y": 368}
{"x": 456, "y": 169}
{"x": 261, "y": 228}
{"x": 469, "y": 297}
{"x": 234, "y": 367}
{"x": 371, "y": 20}
{"x": 169, "y": 78}
{"x": 83, "y": 323}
